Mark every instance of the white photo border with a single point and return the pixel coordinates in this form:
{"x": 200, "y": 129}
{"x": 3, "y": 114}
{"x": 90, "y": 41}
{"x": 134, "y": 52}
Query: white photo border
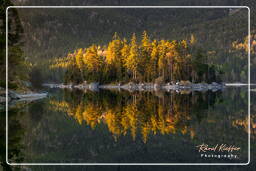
{"x": 181, "y": 7}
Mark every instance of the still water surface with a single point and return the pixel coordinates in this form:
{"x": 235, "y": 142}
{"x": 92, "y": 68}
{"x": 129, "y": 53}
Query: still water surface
{"x": 129, "y": 127}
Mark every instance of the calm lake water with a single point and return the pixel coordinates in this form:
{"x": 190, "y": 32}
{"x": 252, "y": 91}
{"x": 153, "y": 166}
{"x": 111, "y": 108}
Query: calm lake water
{"x": 130, "y": 127}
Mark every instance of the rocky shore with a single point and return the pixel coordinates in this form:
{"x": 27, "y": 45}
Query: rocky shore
{"x": 183, "y": 85}
{"x": 14, "y": 96}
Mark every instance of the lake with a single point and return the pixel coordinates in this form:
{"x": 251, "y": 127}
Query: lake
{"x": 74, "y": 126}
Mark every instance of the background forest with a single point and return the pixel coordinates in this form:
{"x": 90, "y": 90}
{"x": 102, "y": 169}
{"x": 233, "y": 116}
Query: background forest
{"x": 221, "y": 34}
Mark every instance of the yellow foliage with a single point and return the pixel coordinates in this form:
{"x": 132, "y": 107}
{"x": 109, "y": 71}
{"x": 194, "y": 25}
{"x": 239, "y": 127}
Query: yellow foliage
{"x": 130, "y": 118}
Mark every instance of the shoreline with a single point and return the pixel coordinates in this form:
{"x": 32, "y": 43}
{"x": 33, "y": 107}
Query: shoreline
{"x": 142, "y": 86}
{"x": 17, "y": 97}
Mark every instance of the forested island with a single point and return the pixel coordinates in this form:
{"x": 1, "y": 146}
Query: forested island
{"x": 147, "y": 61}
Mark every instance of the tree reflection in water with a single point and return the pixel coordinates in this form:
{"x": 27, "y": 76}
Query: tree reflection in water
{"x": 141, "y": 113}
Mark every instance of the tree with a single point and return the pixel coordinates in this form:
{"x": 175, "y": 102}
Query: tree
{"x": 125, "y": 52}
{"x": 114, "y": 57}
{"x": 158, "y": 61}
{"x": 79, "y": 59}
{"x": 170, "y": 56}
{"x": 18, "y": 65}
{"x": 146, "y": 48}
{"x": 154, "y": 55}
{"x": 132, "y": 60}
{"x": 93, "y": 63}
{"x": 162, "y": 61}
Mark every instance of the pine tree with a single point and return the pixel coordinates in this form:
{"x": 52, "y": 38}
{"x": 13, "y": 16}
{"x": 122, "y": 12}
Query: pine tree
{"x": 152, "y": 67}
{"x": 114, "y": 57}
{"x": 125, "y": 52}
{"x": 79, "y": 59}
{"x": 146, "y": 49}
{"x": 132, "y": 60}
{"x": 162, "y": 62}
{"x": 93, "y": 63}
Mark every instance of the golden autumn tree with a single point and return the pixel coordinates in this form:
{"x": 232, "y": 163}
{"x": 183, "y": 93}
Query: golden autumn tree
{"x": 125, "y": 52}
{"x": 93, "y": 62}
{"x": 152, "y": 67}
{"x": 162, "y": 61}
{"x": 114, "y": 56}
{"x": 132, "y": 61}
{"x": 146, "y": 61}
{"x": 79, "y": 58}
{"x": 146, "y": 48}
{"x": 170, "y": 56}
{"x": 91, "y": 59}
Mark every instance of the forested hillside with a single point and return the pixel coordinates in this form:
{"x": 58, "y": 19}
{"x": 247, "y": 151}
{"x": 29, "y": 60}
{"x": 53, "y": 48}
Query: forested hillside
{"x": 17, "y": 66}
{"x": 51, "y": 33}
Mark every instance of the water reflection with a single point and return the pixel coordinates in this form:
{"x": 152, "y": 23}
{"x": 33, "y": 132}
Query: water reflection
{"x": 15, "y": 136}
{"x": 140, "y": 113}
{"x": 129, "y": 127}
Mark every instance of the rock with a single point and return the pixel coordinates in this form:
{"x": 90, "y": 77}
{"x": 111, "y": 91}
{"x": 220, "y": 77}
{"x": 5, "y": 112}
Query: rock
{"x": 204, "y": 85}
{"x": 141, "y": 86}
{"x": 185, "y": 83}
{"x": 94, "y": 86}
{"x": 131, "y": 86}
{"x": 34, "y": 95}
{"x": 200, "y": 87}
{"x": 156, "y": 86}
{"x": 2, "y": 99}
{"x": 84, "y": 83}
{"x": 13, "y": 95}
{"x": 214, "y": 84}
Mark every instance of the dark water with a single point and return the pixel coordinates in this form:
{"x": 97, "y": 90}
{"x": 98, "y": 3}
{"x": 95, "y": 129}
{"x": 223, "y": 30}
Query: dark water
{"x": 124, "y": 127}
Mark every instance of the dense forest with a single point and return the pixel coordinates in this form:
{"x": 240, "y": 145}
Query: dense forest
{"x": 18, "y": 66}
{"x": 145, "y": 61}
